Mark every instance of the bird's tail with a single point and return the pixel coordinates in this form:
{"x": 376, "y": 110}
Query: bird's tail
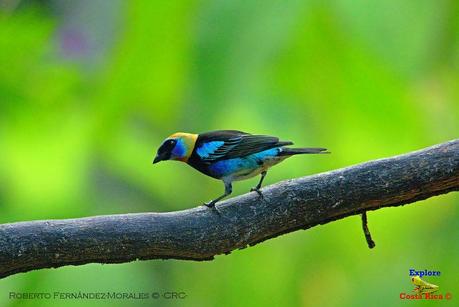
{"x": 285, "y": 151}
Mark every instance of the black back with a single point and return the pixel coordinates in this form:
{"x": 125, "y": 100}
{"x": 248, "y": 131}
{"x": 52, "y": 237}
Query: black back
{"x": 237, "y": 144}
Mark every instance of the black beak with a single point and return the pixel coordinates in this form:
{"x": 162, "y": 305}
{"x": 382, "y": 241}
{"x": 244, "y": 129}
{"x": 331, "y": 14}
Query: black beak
{"x": 157, "y": 159}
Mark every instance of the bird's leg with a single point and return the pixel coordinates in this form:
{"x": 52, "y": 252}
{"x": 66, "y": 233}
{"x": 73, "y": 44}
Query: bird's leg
{"x": 228, "y": 191}
{"x": 257, "y": 188}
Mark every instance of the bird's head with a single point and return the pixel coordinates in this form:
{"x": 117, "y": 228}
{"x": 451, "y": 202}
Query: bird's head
{"x": 416, "y": 280}
{"x": 178, "y": 146}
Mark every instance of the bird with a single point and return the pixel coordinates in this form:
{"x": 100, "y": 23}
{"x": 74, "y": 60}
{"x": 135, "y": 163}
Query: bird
{"x": 229, "y": 155}
{"x": 422, "y": 286}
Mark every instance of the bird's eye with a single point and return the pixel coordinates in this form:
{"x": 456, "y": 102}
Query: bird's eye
{"x": 170, "y": 144}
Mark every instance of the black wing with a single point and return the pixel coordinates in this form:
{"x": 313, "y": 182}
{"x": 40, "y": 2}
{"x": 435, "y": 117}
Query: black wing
{"x": 228, "y": 144}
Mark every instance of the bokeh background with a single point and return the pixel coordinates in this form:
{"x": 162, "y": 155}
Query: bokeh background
{"x": 89, "y": 88}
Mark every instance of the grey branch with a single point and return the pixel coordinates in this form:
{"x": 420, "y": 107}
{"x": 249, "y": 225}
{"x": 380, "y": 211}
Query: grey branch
{"x": 201, "y": 233}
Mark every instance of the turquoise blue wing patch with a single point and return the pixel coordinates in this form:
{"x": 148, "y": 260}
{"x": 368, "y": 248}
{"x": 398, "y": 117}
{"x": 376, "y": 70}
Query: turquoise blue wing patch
{"x": 214, "y": 150}
{"x": 206, "y": 150}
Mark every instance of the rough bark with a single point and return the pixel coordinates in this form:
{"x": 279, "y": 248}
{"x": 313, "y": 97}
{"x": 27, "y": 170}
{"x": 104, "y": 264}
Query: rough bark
{"x": 201, "y": 233}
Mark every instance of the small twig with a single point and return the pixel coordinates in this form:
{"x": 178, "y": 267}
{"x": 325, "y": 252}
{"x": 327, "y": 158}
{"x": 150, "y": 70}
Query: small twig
{"x": 366, "y": 231}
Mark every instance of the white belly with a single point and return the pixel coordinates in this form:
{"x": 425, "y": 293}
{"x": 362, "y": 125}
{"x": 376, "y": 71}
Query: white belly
{"x": 249, "y": 173}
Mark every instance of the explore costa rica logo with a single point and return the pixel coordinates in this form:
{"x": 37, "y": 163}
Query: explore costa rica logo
{"x": 424, "y": 290}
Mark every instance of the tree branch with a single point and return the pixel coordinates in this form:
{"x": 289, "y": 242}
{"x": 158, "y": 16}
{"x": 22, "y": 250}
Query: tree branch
{"x": 201, "y": 233}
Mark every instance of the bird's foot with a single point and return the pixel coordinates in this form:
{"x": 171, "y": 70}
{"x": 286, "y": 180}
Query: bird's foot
{"x": 210, "y": 204}
{"x": 257, "y": 189}
{"x": 212, "y": 208}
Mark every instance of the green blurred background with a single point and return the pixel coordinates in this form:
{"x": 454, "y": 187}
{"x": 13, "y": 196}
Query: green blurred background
{"x": 88, "y": 90}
